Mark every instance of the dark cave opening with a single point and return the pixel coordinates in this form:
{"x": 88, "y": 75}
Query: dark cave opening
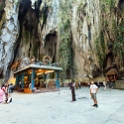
{"x": 121, "y": 4}
{"x": 121, "y": 1}
{"x": 27, "y": 16}
{"x": 50, "y": 45}
{"x": 108, "y": 61}
{"x": 29, "y": 19}
{"x": 2, "y": 5}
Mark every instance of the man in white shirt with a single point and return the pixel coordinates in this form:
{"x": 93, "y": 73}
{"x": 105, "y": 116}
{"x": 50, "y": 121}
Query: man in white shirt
{"x": 93, "y": 92}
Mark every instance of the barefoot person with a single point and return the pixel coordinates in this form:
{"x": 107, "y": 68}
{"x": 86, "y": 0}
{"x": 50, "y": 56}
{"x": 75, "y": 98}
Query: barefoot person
{"x": 93, "y": 92}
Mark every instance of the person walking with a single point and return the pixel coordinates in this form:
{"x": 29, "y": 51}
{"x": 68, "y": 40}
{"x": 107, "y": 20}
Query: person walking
{"x": 10, "y": 90}
{"x": 73, "y": 92}
{"x": 93, "y": 92}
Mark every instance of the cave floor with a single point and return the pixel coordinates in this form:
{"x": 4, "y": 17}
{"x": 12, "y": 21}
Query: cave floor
{"x": 57, "y": 108}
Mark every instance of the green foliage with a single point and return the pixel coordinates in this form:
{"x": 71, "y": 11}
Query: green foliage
{"x": 80, "y": 7}
{"x": 15, "y": 1}
{"x": 114, "y": 29}
{"x": 2, "y": 5}
{"x": 65, "y": 50}
{"x": 43, "y": 17}
{"x": 107, "y": 5}
{"x": 110, "y": 2}
{"x": 100, "y": 49}
{"x": 49, "y": 4}
{"x": 65, "y": 10}
{"x": 119, "y": 40}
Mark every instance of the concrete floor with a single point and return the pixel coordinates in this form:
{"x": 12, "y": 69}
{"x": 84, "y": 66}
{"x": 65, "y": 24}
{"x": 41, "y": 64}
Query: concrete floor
{"x": 55, "y": 108}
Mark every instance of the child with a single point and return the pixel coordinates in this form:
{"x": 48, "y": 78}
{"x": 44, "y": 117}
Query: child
{"x": 93, "y": 92}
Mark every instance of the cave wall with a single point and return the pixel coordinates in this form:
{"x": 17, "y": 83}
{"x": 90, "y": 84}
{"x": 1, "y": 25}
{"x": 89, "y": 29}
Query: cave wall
{"x": 50, "y": 45}
{"x": 9, "y": 35}
{"x": 85, "y": 37}
{"x": 112, "y": 22}
{"x": 29, "y": 39}
{"x": 85, "y": 29}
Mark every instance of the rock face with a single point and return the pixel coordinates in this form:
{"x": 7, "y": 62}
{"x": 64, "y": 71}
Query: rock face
{"x": 77, "y": 34}
{"x": 9, "y": 35}
{"x": 85, "y": 30}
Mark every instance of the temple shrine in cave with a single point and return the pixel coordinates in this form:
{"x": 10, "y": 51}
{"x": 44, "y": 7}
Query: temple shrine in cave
{"x": 33, "y": 73}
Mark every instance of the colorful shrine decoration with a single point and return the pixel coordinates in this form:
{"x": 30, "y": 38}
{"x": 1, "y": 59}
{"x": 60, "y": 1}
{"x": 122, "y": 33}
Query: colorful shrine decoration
{"x": 29, "y": 75}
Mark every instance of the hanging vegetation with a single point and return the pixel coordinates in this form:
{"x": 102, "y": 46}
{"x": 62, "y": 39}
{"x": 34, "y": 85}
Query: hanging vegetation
{"x": 65, "y": 45}
{"x": 100, "y": 49}
{"x": 112, "y": 28}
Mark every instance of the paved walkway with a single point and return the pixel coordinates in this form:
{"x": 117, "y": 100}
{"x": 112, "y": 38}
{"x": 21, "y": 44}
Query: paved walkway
{"x": 54, "y": 108}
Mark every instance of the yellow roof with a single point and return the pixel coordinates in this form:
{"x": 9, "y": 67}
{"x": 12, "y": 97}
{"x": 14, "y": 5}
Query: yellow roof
{"x": 47, "y": 68}
{"x": 110, "y": 73}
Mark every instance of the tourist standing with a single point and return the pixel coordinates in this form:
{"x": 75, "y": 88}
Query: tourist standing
{"x": 79, "y": 85}
{"x": 10, "y": 90}
{"x": 93, "y": 92}
{"x": 73, "y": 92}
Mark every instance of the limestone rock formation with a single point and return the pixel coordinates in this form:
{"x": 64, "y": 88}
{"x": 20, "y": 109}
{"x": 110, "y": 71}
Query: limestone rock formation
{"x": 9, "y": 35}
{"x": 81, "y": 35}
